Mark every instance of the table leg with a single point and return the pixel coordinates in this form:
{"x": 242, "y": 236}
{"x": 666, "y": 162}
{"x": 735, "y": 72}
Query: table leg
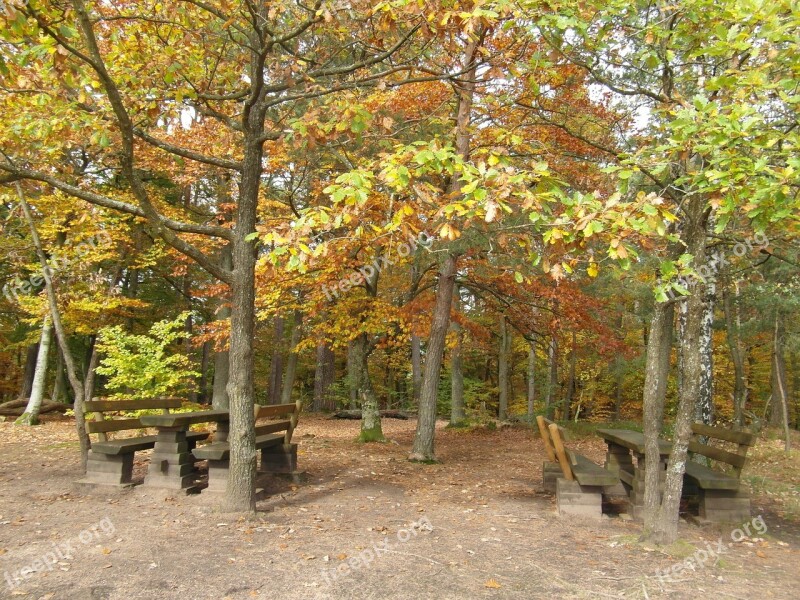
{"x": 618, "y": 458}
{"x": 221, "y": 434}
{"x": 637, "y": 491}
{"x": 172, "y": 465}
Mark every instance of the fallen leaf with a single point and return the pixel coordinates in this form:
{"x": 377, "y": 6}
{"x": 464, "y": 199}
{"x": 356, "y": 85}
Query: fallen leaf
{"x": 492, "y": 583}
{"x": 760, "y": 554}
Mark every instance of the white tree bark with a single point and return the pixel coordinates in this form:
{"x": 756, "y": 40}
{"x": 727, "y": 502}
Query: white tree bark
{"x": 31, "y": 414}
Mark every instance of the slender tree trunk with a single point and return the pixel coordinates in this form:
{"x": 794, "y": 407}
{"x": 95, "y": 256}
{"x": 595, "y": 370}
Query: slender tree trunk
{"x": 219, "y": 393}
{"x": 58, "y": 382}
{"x": 531, "y": 380}
{"x": 352, "y": 375}
{"x": 457, "y": 372}
{"x": 276, "y": 365}
{"x": 416, "y": 367}
{"x": 780, "y": 399}
{"x": 206, "y": 351}
{"x": 659, "y": 346}
{"x": 552, "y": 383}
{"x": 55, "y": 315}
{"x": 323, "y": 377}
{"x": 502, "y": 369}
{"x": 291, "y": 362}
{"x": 704, "y": 412}
{"x": 730, "y": 305}
{"x": 570, "y": 392}
{"x": 31, "y": 414}
{"x": 665, "y": 526}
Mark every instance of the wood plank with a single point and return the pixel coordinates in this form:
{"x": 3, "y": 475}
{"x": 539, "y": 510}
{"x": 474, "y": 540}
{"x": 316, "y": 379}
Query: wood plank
{"x": 273, "y": 427}
{"x": 113, "y": 425}
{"x": 215, "y": 451}
{"x": 127, "y": 405}
{"x": 560, "y": 453}
{"x": 274, "y": 410}
{"x": 718, "y": 454}
{"x": 125, "y": 446}
{"x": 709, "y": 479}
{"x": 633, "y": 440}
{"x": 184, "y": 419}
{"x": 548, "y": 444}
{"x": 589, "y": 473}
{"x": 727, "y": 435}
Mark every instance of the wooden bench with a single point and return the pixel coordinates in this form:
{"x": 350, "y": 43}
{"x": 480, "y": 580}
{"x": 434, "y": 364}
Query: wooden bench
{"x": 551, "y": 469}
{"x": 111, "y": 461}
{"x": 580, "y": 491}
{"x": 278, "y": 453}
{"x": 722, "y": 498}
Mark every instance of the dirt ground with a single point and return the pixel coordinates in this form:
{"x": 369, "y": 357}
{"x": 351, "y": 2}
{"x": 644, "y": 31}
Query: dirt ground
{"x": 362, "y": 523}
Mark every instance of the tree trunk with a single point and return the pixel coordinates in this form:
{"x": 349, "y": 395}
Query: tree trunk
{"x": 659, "y": 346}
{"x": 457, "y": 414}
{"x": 730, "y": 306}
{"x": 203, "y": 394}
{"x": 291, "y": 362}
{"x": 570, "y": 392}
{"x": 323, "y": 377}
{"x": 371, "y": 430}
{"x": 502, "y": 369}
{"x": 58, "y": 382}
{"x": 276, "y": 364}
{"x": 416, "y": 367}
{"x": 780, "y": 399}
{"x": 423, "y": 449}
{"x": 31, "y": 414}
{"x": 552, "y": 382}
{"x": 704, "y": 412}
{"x": 55, "y": 315}
{"x": 26, "y": 385}
{"x": 219, "y": 393}
{"x": 664, "y": 528}
{"x": 531, "y": 380}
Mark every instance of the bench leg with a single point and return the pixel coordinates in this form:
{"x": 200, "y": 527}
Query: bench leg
{"x": 107, "y": 469}
{"x": 218, "y": 475}
{"x": 172, "y": 465}
{"x": 551, "y": 471}
{"x": 576, "y": 500}
{"x": 279, "y": 459}
{"x": 725, "y": 506}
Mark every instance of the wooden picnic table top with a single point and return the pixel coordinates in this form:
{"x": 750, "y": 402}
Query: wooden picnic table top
{"x": 633, "y": 440}
{"x": 185, "y": 419}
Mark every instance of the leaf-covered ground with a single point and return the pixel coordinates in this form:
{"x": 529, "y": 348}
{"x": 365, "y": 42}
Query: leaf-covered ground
{"x": 484, "y": 528}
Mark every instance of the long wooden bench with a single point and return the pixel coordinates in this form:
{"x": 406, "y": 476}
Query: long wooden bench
{"x": 278, "y": 453}
{"x": 111, "y": 461}
{"x": 580, "y": 491}
{"x": 721, "y": 495}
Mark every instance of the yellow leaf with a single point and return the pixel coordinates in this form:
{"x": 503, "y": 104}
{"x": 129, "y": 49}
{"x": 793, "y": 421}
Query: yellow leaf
{"x": 492, "y": 583}
{"x": 592, "y": 270}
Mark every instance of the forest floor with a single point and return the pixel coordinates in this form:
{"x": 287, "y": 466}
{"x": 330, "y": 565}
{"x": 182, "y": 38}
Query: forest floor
{"x": 484, "y": 528}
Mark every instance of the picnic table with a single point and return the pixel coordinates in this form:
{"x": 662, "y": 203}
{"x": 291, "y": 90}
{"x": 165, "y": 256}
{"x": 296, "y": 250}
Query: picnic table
{"x": 623, "y": 447}
{"x": 172, "y": 464}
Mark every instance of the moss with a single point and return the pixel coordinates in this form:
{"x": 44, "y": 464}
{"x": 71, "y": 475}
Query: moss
{"x": 372, "y": 434}
{"x": 424, "y": 461}
{"x": 461, "y": 424}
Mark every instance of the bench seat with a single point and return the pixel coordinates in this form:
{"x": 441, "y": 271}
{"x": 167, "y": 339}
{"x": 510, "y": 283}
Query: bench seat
{"x": 222, "y": 451}
{"x": 587, "y": 472}
{"x": 710, "y": 479}
{"x": 130, "y": 445}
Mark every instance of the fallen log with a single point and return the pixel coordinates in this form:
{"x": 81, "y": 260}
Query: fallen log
{"x": 15, "y": 408}
{"x": 356, "y": 414}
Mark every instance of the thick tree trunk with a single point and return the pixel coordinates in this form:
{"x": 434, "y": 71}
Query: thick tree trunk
{"x": 276, "y": 364}
{"x": 291, "y": 361}
{"x": 656, "y": 375}
{"x": 502, "y": 369}
{"x": 531, "y": 380}
{"x": 730, "y": 303}
{"x": 26, "y": 385}
{"x": 31, "y": 414}
{"x": 416, "y": 367}
{"x": 457, "y": 414}
{"x": 371, "y": 430}
{"x": 664, "y": 528}
{"x": 323, "y": 378}
{"x": 423, "y": 449}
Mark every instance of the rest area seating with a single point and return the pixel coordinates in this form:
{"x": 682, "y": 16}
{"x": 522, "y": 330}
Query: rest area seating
{"x": 580, "y": 485}
{"x": 111, "y": 461}
{"x": 278, "y": 453}
{"x": 718, "y": 485}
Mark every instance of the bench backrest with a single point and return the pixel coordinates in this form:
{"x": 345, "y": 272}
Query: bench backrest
{"x": 287, "y": 419}
{"x": 743, "y": 440}
{"x": 102, "y": 408}
{"x": 544, "y": 423}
